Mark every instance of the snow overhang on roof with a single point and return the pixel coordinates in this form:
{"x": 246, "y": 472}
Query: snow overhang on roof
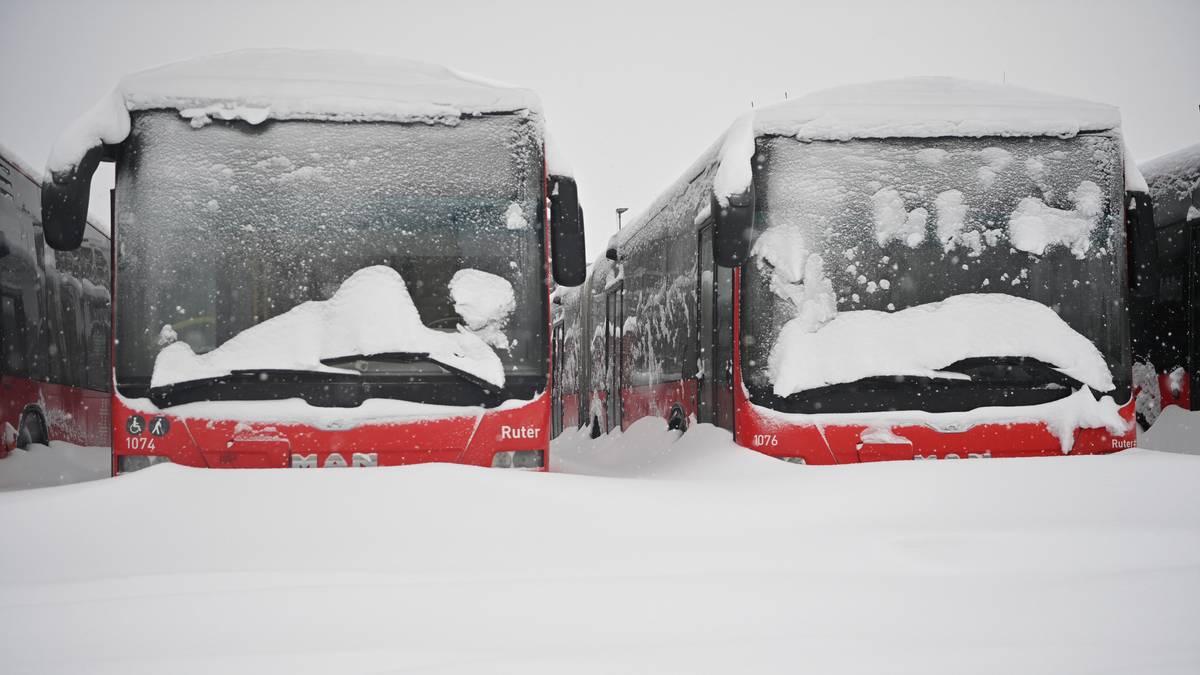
{"x": 1174, "y": 181}
{"x": 924, "y": 107}
{"x": 914, "y": 107}
{"x": 259, "y": 84}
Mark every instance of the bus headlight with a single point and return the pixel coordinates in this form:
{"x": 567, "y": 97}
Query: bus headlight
{"x": 128, "y": 463}
{"x": 519, "y": 459}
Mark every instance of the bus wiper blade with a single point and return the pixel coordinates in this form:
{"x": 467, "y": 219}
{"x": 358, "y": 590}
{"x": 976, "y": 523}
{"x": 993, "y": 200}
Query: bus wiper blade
{"x": 163, "y": 394}
{"x": 1015, "y": 369}
{"x": 413, "y": 357}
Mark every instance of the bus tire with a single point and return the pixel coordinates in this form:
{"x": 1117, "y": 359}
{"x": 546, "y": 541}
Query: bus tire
{"x": 32, "y": 430}
{"x": 676, "y": 420}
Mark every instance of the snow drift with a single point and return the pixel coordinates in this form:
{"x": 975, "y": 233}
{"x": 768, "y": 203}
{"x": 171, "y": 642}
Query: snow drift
{"x": 370, "y": 313}
{"x": 702, "y": 557}
{"x": 923, "y": 339}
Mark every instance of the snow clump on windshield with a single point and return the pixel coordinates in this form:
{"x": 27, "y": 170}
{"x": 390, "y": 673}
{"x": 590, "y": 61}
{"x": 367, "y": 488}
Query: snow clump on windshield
{"x": 370, "y": 313}
{"x": 485, "y": 302}
{"x": 893, "y": 221}
{"x": 797, "y": 275}
{"x": 1034, "y": 226}
{"x": 922, "y": 340}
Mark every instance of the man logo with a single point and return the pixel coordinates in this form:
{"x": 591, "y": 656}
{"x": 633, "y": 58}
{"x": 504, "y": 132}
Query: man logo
{"x": 334, "y": 460}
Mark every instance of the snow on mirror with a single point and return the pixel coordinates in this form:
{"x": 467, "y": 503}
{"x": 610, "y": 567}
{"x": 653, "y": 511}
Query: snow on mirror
{"x": 371, "y": 313}
{"x": 901, "y": 257}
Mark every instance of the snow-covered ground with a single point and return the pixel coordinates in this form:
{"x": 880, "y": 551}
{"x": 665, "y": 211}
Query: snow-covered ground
{"x": 1175, "y": 430}
{"x": 56, "y": 464}
{"x": 644, "y": 553}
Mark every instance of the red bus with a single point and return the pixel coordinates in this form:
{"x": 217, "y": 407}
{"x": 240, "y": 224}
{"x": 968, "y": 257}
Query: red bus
{"x": 324, "y": 259}
{"x": 921, "y": 268}
{"x": 54, "y": 324}
{"x": 1167, "y": 336}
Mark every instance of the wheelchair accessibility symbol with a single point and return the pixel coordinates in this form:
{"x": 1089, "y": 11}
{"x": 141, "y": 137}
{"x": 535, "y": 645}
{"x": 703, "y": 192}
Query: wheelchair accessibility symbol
{"x": 135, "y": 425}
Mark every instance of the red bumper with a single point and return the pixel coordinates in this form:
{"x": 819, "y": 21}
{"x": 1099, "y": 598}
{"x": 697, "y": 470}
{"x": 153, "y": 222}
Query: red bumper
{"x": 467, "y": 438}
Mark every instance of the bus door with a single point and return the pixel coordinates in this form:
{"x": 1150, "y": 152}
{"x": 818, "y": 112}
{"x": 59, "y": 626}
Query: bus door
{"x": 715, "y": 333}
{"x": 614, "y": 314}
{"x": 1192, "y": 338}
{"x": 556, "y": 403}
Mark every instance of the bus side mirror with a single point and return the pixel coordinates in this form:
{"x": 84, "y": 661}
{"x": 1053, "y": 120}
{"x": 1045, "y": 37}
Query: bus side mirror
{"x": 65, "y": 197}
{"x": 610, "y": 251}
{"x": 1143, "y": 254}
{"x": 566, "y": 232}
{"x": 733, "y": 228}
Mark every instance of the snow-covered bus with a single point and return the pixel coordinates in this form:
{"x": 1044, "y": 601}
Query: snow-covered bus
{"x": 54, "y": 324}
{"x": 325, "y": 259}
{"x": 919, "y": 268}
{"x": 1167, "y": 339}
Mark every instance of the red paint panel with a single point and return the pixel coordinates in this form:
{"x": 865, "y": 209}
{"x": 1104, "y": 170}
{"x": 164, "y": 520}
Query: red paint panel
{"x": 842, "y": 444}
{"x": 72, "y": 414}
{"x": 1182, "y": 398}
{"x": 655, "y": 400}
{"x": 223, "y": 443}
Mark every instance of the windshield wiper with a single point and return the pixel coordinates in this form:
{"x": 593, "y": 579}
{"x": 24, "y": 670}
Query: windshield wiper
{"x": 1015, "y": 370}
{"x": 412, "y": 357}
{"x": 164, "y": 395}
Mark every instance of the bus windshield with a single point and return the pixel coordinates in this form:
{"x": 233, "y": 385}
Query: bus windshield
{"x": 223, "y": 227}
{"x": 891, "y": 224}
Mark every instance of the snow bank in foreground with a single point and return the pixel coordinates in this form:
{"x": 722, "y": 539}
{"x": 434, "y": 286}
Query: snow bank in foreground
{"x": 56, "y": 464}
{"x": 258, "y": 84}
{"x": 648, "y": 449}
{"x": 370, "y": 313}
{"x": 923, "y": 339}
{"x": 745, "y": 564}
{"x": 1174, "y": 430}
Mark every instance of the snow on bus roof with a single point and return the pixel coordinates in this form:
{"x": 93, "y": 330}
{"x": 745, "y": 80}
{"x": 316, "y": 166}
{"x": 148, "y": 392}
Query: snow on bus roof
{"x": 914, "y": 107}
{"x": 925, "y": 107}
{"x": 259, "y": 84}
{"x": 1174, "y": 180}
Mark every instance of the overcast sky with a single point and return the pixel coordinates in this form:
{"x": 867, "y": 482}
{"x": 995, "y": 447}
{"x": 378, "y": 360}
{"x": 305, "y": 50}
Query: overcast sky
{"x": 633, "y": 90}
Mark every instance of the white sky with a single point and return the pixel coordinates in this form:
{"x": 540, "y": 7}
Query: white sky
{"x": 633, "y": 90}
